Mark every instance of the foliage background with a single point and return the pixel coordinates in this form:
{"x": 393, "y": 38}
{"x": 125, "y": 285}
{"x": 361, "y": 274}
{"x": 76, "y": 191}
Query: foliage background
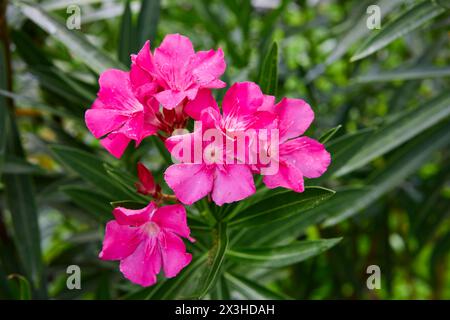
{"x": 390, "y": 153}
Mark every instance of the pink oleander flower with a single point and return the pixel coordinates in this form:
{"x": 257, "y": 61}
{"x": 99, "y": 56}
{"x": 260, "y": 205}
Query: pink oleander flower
{"x": 177, "y": 70}
{"x": 117, "y": 116}
{"x": 225, "y": 181}
{"x": 147, "y": 240}
{"x": 298, "y": 157}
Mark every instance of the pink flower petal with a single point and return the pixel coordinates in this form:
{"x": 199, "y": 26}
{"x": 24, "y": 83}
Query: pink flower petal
{"x": 208, "y": 66}
{"x": 242, "y": 98}
{"x": 115, "y": 143}
{"x": 115, "y": 91}
{"x": 120, "y": 241}
{"x": 232, "y": 182}
{"x": 144, "y": 264}
{"x": 288, "y": 176}
{"x": 172, "y": 218}
{"x": 174, "y": 256}
{"x": 295, "y": 116}
{"x": 203, "y": 100}
{"x": 306, "y": 154}
{"x": 189, "y": 182}
{"x": 132, "y": 217}
{"x": 169, "y": 98}
{"x": 102, "y": 121}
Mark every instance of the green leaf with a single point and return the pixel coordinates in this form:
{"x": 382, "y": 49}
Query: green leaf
{"x": 281, "y": 232}
{"x": 251, "y": 290}
{"x": 281, "y": 256}
{"x": 170, "y": 288}
{"x": 91, "y": 169}
{"x": 126, "y": 36}
{"x": 279, "y": 206}
{"x": 78, "y": 45}
{"x": 162, "y": 150}
{"x": 407, "y": 22}
{"x": 396, "y": 133}
{"x": 18, "y": 191}
{"x": 148, "y": 21}
{"x": 324, "y": 138}
{"x": 414, "y": 73}
{"x": 403, "y": 163}
{"x": 3, "y": 106}
{"x": 93, "y": 202}
{"x": 355, "y": 30}
{"x": 268, "y": 76}
{"x": 22, "y": 286}
{"x": 216, "y": 258}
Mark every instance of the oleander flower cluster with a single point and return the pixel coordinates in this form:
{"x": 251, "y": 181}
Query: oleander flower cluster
{"x": 249, "y": 134}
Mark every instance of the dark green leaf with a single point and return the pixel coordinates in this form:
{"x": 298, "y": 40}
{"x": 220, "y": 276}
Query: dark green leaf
{"x": 404, "y": 162}
{"x": 279, "y": 206}
{"x": 126, "y": 36}
{"x": 91, "y": 169}
{"x": 394, "y": 134}
{"x": 216, "y": 258}
{"x": 251, "y": 290}
{"x": 281, "y": 256}
{"x": 148, "y": 20}
{"x": 72, "y": 39}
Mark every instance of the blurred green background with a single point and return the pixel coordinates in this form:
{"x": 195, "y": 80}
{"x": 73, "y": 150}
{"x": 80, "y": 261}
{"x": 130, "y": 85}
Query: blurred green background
{"x": 391, "y": 154}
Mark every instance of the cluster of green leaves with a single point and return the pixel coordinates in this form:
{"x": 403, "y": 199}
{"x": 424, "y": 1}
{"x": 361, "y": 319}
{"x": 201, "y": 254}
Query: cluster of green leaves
{"x": 381, "y": 119}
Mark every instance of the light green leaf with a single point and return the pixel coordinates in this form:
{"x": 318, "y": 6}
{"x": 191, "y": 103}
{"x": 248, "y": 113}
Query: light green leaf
{"x": 78, "y": 45}
{"x": 403, "y": 163}
{"x": 268, "y": 76}
{"x": 252, "y": 290}
{"x": 405, "y": 74}
{"x": 396, "y": 133}
{"x": 407, "y": 22}
{"x": 281, "y": 256}
{"x": 279, "y": 206}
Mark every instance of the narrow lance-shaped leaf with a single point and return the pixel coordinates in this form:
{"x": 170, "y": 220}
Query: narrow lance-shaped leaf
{"x": 396, "y": 133}
{"x": 281, "y": 256}
{"x": 414, "y": 73}
{"x": 18, "y": 191}
{"x": 268, "y": 78}
{"x": 252, "y": 290}
{"x": 407, "y": 22}
{"x": 356, "y": 30}
{"x": 78, "y": 45}
{"x": 3, "y": 106}
{"x": 126, "y": 36}
{"x": 171, "y": 287}
{"x": 96, "y": 204}
{"x": 404, "y": 162}
{"x": 216, "y": 258}
{"x": 148, "y": 20}
{"x": 91, "y": 169}
{"x": 279, "y": 206}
